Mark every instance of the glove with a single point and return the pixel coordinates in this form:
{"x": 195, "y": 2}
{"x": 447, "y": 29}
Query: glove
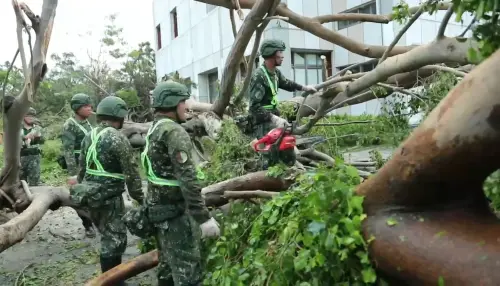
{"x": 210, "y": 228}
{"x": 71, "y": 180}
{"x": 309, "y": 88}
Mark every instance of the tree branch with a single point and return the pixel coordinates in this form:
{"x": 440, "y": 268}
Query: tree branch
{"x": 383, "y": 19}
{"x": 443, "y": 50}
{"x": 444, "y": 23}
{"x": 249, "y": 194}
{"x": 402, "y": 32}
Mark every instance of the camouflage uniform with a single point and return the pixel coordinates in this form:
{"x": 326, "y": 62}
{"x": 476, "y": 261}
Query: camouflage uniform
{"x": 106, "y": 163}
{"x": 31, "y": 153}
{"x": 72, "y": 136}
{"x": 174, "y": 202}
{"x": 264, "y": 90}
{"x": 73, "y": 133}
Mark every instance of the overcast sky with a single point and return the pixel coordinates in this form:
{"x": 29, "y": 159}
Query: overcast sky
{"x": 75, "y": 19}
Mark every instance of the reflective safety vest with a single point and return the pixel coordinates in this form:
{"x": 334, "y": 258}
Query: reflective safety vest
{"x": 274, "y": 89}
{"x": 83, "y": 130}
{"x": 92, "y": 157}
{"x": 146, "y": 162}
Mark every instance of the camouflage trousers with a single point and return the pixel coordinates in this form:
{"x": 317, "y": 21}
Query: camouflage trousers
{"x": 108, "y": 221}
{"x": 264, "y": 128}
{"x": 30, "y": 169}
{"x": 178, "y": 242}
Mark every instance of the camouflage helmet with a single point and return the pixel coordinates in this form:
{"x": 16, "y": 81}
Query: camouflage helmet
{"x": 31, "y": 112}
{"x": 269, "y": 47}
{"x": 78, "y": 100}
{"x": 169, "y": 93}
{"x": 112, "y": 106}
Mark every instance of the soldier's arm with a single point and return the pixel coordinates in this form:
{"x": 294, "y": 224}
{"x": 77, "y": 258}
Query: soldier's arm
{"x": 179, "y": 150}
{"x": 39, "y": 132}
{"x": 81, "y": 159}
{"x": 68, "y": 142}
{"x": 286, "y": 84}
{"x": 257, "y": 93}
{"x": 130, "y": 169}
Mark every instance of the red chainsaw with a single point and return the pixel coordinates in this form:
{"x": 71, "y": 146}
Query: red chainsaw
{"x": 279, "y": 145}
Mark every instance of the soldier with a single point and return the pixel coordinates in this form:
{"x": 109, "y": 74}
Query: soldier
{"x": 174, "y": 203}
{"x": 106, "y": 163}
{"x": 264, "y": 88}
{"x": 31, "y": 150}
{"x": 74, "y": 130}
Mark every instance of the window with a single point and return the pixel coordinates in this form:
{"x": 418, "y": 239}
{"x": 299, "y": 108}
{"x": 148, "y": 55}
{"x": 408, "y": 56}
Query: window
{"x": 361, "y": 68}
{"x": 308, "y": 67}
{"x": 213, "y": 86}
{"x": 173, "y": 20}
{"x": 367, "y": 8}
{"x": 210, "y": 8}
{"x": 158, "y": 37}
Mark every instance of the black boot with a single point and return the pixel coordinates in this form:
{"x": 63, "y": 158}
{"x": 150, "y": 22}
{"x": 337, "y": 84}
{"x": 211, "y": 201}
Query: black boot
{"x": 108, "y": 263}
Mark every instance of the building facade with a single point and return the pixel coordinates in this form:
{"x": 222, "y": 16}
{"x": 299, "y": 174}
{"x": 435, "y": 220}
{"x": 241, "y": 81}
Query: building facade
{"x": 194, "y": 39}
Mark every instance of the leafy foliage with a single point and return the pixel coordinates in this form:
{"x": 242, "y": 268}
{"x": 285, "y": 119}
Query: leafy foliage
{"x": 310, "y": 235}
{"x": 231, "y": 154}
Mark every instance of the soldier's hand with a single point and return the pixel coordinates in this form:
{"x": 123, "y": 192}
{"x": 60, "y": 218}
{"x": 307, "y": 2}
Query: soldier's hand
{"x": 72, "y": 180}
{"x": 309, "y": 88}
{"x": 210, "y": 228}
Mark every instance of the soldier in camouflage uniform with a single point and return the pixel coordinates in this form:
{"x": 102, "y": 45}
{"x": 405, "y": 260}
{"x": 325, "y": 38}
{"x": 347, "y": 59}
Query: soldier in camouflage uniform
{"x": 107, "y": 163}
{"x": 74, "y": 130}
{"x": 174, "y": 203}
{"x": 31, "y": 150}
{"x": 264, "y": 88}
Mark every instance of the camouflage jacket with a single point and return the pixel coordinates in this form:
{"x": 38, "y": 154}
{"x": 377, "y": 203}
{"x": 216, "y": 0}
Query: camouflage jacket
{"x": 261, "y": 92}
{"x": 170, "y": 156}
{"x": 116, "y": 156}
{"x": 33, "y": 146}
{"x": 72, "y": 137}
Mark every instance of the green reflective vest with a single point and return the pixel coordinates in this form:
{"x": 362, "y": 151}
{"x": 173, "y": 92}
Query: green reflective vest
{"x": 92, "y": 156}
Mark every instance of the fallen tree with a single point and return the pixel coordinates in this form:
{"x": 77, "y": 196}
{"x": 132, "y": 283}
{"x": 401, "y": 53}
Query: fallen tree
{"x": 419, "y": 179}
{"x": 434, "y": 178}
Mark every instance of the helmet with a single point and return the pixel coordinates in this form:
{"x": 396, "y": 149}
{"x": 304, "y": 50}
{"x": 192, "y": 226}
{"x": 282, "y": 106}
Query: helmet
{"x": 269, "y": 47}
{"x": 169, "y": 93}
{"x": 31, "y": 112}
{"x": 78, "y": 100}
{"x": 112, "y": 106}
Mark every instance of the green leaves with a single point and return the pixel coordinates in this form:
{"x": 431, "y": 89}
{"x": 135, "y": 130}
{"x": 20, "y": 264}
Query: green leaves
{"x": 310, "y": 235}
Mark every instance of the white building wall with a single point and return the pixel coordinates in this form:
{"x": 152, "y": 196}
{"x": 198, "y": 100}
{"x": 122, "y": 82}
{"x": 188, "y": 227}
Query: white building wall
{"x": 205, "y": 39}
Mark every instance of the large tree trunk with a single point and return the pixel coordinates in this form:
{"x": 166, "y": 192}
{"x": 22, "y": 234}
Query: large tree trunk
{"x": 432, "y": 186}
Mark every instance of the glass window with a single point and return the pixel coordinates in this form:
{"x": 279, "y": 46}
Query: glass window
{"x": 298, "y": 59}
{"x": 367, "y": 8}
{"x": 311, "y": 59}
{"x": 312, "y": 76}
{"x": 300, "y": 76}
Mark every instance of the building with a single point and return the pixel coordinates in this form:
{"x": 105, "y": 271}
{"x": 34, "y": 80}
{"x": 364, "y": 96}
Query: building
{"x": 195, "y": 38}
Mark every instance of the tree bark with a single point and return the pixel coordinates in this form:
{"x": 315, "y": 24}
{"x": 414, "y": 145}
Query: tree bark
{"x": 432, "y": 186}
